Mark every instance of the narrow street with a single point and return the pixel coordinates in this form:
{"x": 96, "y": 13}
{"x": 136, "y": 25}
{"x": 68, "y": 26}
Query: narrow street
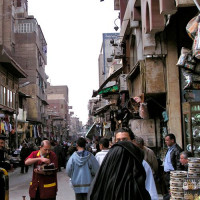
{"x": 19, "y": 185}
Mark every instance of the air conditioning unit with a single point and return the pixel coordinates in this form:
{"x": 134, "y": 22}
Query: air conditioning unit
{"x": 123, "y": 86}
{"x": 118, "y": 52}
{"x": 109, "y": 59}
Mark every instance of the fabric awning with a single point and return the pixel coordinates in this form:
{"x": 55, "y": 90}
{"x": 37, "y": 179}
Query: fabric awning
{"x": 8, "y": 61}
{"x": 91, "y": 132}
{"x": 112, "y": 77}
{"x": 111, "y": 89}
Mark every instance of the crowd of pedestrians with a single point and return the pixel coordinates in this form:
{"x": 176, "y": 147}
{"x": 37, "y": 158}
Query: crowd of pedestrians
{"x": 99, "y": 169}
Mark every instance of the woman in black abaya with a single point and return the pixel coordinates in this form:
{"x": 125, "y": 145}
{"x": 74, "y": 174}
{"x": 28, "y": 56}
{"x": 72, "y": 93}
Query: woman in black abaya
{"x": 121, "y": 175}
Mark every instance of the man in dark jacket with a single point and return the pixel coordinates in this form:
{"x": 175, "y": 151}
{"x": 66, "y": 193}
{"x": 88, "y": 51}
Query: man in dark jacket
{"x": 24, "y": 153}
{"x": 58, "y": 150}
{"x": 172, "y": 158}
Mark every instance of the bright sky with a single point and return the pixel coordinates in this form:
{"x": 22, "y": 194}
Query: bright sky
{"x": 73, "y": 31}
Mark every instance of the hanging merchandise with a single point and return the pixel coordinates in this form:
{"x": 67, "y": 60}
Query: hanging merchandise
{"x": 143, "y": 111}
{"x": 192, "y": 26}
{"x": 35, "y": 131}
{"x": 192, "y": 81}
{"x": 165, "y": 116}
{"x": 31, "y": 131}
{"x": 183, "y": 57}
{"x": 195, "y": 46}
{"x": 133, "y": 106}
{"x": 186, "y": 60}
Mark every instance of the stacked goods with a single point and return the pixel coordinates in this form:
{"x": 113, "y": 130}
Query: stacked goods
{"x": 176, "y": 184}
{"x": 193, "y": 167}
{"x": 191, "y": 184}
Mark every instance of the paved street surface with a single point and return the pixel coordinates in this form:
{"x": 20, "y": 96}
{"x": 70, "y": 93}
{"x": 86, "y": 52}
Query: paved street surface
{"x": 19, "y": 185}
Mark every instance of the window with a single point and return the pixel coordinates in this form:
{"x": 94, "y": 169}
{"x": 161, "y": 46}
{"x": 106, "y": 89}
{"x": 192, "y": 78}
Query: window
{"x": 19, "y": 3}
{"x": 25, "y": 28}
{"x": 4, "y": 96}
{"x": 8, "y": 98}
{"x": 14, "y": 105}
{"x": 1, "y": 94}
{"x": 11, "y": 100}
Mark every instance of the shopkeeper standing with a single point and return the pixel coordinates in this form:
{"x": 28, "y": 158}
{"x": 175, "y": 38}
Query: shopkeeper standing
{"x": 172, "y": 158}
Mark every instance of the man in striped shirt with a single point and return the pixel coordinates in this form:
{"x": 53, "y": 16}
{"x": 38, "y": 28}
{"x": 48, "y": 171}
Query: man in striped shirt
{"x": 103, "y": 145}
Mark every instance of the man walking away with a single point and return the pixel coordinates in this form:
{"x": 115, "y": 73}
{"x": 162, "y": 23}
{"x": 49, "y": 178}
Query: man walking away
{"x": 81, "y": 168}
{"x": 103, "y": 145}
{"x": 149, "y": 155}
{"x": 24, "y": 153}
{"x": 58, "y": 150}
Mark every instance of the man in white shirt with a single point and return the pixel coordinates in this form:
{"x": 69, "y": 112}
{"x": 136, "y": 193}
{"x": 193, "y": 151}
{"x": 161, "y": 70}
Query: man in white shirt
{"x": 103, "y": 145}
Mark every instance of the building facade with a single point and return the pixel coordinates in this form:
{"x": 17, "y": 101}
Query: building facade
{"x": 58, "y": 112}
{"x": 23, "y": 42}
{"x": 151, "y": 96}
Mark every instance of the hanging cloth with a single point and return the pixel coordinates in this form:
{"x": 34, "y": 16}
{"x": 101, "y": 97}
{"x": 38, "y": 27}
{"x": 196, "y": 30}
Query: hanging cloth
{"x": 35, "y": 131}
{"x": 31, "y": 131}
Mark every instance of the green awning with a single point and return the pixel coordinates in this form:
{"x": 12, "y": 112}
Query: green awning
{"x": 112, "y": 77}
{"x": 111, "y": 89}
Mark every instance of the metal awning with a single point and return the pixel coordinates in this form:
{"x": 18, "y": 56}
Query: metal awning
{"x": 91, "y": 132}
{"x": 9, "y": 63}
{"x": 112, "y": 77}
{"x": 102, "y": 109}
{"x": 24, "y": 95}
{"x": 135, "y": 70}
{"x": 45, "y": 102}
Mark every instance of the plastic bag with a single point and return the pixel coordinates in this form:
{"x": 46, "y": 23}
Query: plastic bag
{"x": 192, "y": 81}
{"x": 192, "y": 26}
{"x": 183, "y": 57}
{"x": 198, "y": 38}
{"x": 186, "y": 59}
{"x": 195, "y": 51}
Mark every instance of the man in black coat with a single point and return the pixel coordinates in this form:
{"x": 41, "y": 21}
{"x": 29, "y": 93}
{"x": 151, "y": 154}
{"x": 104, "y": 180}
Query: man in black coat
{"x": 24, "y": 153}
{"x": 58, "y": 150}
{"x": 172, "y": 158}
